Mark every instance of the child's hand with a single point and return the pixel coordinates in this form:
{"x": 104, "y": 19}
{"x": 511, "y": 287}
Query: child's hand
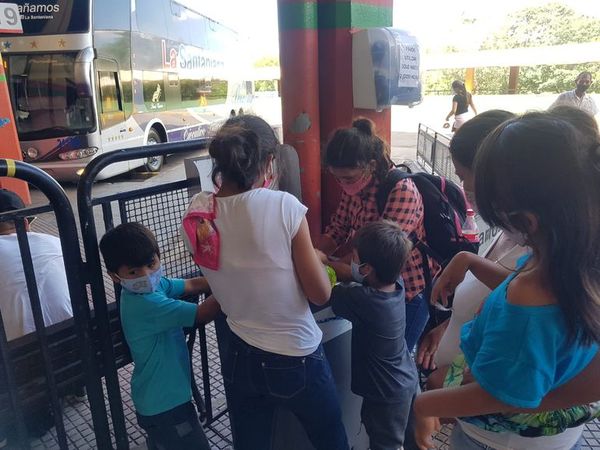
{"x": 429, "y": 345}
{"x": 425, "y": 427}
{"x": 450, "y": 278}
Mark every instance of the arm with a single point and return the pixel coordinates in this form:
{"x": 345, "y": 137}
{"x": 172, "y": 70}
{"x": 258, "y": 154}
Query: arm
{"x": 311, "y": 273}
{"x": 462, "y": 401}
{"x": 452, "y": 111}
{"x": 472, "y": 104}
{"x": 327, "y": 245}
{"x": 429, "y": 345}
{"x": 207, "y": 310}
{"x": 581, "y": 390}
{"x": 338, "y": 230}
{"x": 196, "y": 286}
{"x": 486, "y": 271}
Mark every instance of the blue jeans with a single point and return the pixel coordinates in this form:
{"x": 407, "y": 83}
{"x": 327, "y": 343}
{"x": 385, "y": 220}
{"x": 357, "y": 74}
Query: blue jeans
{"x": 417, "y": 315}
{"x": 175, "y": 429}
{"x": 459, "y": 440}
{"x": 259, "y": 382}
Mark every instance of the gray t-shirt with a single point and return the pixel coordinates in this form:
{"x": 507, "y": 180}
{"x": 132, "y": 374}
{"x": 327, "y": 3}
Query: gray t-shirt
{"x": 381, "y": 364}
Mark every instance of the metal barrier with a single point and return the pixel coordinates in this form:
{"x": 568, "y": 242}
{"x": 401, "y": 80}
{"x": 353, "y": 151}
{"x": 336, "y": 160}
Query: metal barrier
{"x": 53, "y": 375}
{"x": 433, "y": 153}
{"x": 160, "y": 208}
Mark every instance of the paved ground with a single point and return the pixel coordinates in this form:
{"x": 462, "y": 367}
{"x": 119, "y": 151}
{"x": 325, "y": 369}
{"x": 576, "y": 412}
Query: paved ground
{"x": 78, "y": 415}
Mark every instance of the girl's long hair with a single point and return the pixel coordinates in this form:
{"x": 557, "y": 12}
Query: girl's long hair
{"x": 540, "y": 164}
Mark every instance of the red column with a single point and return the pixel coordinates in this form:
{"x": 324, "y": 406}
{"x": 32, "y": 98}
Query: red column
{"x": 298, "y": 41}
{"x": 9, "y": 142}
{"x": 337, "y": 20}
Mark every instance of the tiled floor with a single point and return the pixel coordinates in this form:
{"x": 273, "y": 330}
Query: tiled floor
{"x": 80, "y": 434}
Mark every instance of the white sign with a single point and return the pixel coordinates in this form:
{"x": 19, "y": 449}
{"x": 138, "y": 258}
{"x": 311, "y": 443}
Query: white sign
{"x": 10, "y": 18}
{"x": 409, "y": 64}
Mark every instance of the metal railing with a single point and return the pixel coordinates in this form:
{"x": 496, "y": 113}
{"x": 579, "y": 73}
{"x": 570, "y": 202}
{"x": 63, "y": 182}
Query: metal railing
{"x": 46, "y": 388}
{"x": 160, "y": 208}
{"x": 433, "y": 153}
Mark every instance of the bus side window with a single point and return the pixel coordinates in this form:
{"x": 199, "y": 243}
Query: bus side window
{"x": 111, "y": 105}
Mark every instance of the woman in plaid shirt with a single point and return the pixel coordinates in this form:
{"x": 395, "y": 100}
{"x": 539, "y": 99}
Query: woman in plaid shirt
{"x": 359, "y": 161}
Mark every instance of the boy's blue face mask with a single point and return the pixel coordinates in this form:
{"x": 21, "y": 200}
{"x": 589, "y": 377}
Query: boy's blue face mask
{"x": 355, "y": 269}
{"x": 143, "y": 285}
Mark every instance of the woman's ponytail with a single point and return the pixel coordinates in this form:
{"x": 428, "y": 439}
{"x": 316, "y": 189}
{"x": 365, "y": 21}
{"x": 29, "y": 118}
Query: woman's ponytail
{"x": 237, "y": 157}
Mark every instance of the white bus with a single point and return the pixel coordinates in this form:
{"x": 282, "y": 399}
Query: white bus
{"x": 91, "y": 76}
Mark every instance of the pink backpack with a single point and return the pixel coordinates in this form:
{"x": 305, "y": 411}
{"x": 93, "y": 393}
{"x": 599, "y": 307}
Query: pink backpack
{"x": 198, "y": 230}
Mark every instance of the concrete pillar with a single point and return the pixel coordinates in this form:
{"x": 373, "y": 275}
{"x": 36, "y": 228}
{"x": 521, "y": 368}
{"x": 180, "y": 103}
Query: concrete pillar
{"x": 298, "y": 56}
{"x": 10, "y": 148}
{"x": 337, "y": 20}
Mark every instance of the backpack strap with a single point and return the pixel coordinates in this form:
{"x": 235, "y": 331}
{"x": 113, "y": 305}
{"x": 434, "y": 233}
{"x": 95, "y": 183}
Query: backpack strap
{"x": 387, "y": 186}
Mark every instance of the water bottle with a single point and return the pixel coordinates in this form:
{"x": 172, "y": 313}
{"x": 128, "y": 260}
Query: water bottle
{"x": 469, "y": 228}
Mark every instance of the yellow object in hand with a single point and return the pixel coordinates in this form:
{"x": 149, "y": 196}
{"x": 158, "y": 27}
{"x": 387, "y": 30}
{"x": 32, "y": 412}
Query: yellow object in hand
{"x": 331, "y": 274}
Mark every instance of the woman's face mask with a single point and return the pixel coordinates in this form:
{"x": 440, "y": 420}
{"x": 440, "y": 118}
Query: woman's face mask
{"x": 352, "y": 180}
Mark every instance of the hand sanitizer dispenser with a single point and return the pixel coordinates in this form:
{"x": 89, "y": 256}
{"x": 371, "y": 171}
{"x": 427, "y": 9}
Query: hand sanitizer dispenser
{"x": 385, "y": 68}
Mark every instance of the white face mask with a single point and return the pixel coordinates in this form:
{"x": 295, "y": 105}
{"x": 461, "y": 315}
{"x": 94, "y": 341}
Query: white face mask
{"x": 144, "y": 284}
{"x": 517, "y": 237}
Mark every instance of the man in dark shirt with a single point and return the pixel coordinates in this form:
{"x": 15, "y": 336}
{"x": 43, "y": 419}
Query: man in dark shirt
{"x": 383, "y": 372}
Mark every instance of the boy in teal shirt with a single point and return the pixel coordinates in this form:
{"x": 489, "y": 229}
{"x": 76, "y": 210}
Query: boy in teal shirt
{"x": 152, "y": 320}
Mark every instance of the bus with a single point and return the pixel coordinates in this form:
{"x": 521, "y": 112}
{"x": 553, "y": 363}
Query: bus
{"x": 91, "y": 76}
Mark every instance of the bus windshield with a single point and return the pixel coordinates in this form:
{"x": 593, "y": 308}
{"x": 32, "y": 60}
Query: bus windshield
{"x": 48, "y": 101}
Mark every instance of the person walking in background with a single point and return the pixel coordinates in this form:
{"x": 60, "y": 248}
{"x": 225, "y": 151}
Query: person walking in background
{"x": 578, "y": 97}
{"x": 460, "y": 106}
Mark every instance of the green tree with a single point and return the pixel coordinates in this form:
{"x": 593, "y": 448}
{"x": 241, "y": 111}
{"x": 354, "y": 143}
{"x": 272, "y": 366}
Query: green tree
{"x": 550, "y": 24}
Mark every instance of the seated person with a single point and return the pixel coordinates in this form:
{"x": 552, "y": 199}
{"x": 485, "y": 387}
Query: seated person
{"x": 46, "y": 254}
{"x": 383, "y": 372}
{"x": 15, "y": 305}
{"x": 152, "y": 321}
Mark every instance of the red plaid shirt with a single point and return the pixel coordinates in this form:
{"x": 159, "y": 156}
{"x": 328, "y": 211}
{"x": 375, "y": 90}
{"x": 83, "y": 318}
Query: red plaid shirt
{"x": 404, "y": 206}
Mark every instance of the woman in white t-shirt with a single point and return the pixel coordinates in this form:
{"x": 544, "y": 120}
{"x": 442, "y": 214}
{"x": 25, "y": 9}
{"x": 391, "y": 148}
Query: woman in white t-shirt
{"x": 253, "y": 246}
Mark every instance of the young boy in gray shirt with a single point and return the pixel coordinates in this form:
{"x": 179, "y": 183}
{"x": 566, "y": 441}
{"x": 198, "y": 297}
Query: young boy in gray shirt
{"x": 383, "y": 373}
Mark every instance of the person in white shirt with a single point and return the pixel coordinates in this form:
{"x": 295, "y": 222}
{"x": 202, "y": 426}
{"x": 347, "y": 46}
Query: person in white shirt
{"x": 50, "y": 276}
{"x": 577, "y": 97}
{"x": 254, "y": 248}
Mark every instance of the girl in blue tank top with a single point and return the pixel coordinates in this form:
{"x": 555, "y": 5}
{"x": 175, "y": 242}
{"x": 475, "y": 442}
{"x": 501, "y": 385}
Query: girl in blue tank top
{"x": 539, "y": 180}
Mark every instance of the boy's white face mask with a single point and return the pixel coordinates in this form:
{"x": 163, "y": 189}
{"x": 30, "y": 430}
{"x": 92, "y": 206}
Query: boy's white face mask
{"x": 143, "y": 285}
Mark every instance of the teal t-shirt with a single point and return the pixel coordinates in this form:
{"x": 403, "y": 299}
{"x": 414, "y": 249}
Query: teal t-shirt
{"x": 520, "y": 353}
{"x": 152, "y": 324}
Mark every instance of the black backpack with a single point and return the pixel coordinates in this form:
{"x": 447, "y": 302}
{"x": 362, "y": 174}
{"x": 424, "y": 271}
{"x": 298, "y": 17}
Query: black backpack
{"x": 445, "y": 210}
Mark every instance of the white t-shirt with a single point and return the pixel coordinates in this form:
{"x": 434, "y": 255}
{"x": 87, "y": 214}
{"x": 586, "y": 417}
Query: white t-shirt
{"x": 570, "y": 98}
{"x": 50, "y": 277}
{"x": 256, "y": 284}
{"x": 512, "y": 441}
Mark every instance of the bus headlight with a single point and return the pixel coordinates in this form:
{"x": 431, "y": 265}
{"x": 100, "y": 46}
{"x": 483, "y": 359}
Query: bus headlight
{"x": 78, "y": 154}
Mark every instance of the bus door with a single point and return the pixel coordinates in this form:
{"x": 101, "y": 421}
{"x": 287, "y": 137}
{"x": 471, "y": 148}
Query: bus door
{"x": 114, "y": 131}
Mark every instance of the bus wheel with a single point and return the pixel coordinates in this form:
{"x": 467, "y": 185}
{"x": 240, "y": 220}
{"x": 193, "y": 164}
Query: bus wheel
{"x": 154, "y": 163}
